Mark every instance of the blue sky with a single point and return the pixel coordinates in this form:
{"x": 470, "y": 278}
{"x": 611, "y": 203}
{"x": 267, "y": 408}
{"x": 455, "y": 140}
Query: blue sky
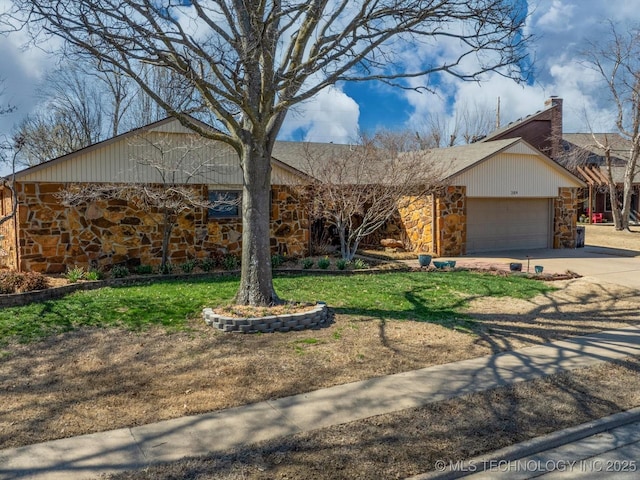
{"x": 338, "y": 113}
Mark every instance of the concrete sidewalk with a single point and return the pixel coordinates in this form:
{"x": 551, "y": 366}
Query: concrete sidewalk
{"x": 91, "y": 455}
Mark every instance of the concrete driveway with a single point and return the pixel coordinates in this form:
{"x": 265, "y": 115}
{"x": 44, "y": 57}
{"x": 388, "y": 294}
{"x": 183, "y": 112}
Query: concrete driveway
{"x": 605, "y": 264}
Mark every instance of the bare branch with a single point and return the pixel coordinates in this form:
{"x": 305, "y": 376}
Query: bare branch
{"x": 359, "y": 188}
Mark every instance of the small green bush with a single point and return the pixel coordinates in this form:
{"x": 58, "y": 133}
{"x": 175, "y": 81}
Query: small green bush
{"x": 94, "y": 275}
{"x": 119, "y": 271}
{"x": 207, "y": 264}
{"x": 360, "y": 264}
{"x": 324, "y": 263}
{"x": 230, "y": 262}
{"x": 307, "y": 263}
{"x": 166, "y": 270}
{"x": 75, "y": 274}
{"x": 144, "y": 270}
{"x": 341, "y": 264}
{"x": 34, "y": 281}
{"x": 276, "y": 261}
{"x": 189, "y": 266}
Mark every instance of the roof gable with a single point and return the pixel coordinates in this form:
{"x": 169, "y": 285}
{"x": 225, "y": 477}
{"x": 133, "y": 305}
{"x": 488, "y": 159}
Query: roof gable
{"x": 506, "y": 168}
{"x": 135, "y": 156}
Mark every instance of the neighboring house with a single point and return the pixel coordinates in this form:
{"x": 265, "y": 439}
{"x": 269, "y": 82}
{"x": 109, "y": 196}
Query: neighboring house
{"x": 579, "y": 153}
{"x": 498, "y": 195}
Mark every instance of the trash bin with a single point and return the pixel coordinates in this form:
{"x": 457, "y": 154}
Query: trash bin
{"x": 580, "y": 237}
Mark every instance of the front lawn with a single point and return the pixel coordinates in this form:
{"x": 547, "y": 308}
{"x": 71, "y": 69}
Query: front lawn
{"x": 418, "y": 296}
{"x": 119, "y": 357}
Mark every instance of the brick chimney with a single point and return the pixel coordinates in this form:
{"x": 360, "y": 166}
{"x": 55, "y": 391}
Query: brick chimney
{"x": 555, "y": 137}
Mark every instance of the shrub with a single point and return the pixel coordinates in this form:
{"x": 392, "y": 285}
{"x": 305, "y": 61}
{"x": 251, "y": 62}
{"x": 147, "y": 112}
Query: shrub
{"x": 276, "y": 261}
{"x": 218, "y": 258}
{"x": 307, "y": 263}
{"x": 119, "y": 271}
{"x": 166, "y": 270}
{"x": 75, "y": 274}
{"x": 230, "y": 262}
{"x": 10, "y": 282}
{"x": 341, "y": 264}
{"x": 94, "y": 274}
{"x": 207, "y": 264}
{"x": 360, "y": 264}
{"x": 144, "y": 269}
{"x": 324, "y": 263}
{"x": 189, "y": 266}
{"x": 34, "y": 281}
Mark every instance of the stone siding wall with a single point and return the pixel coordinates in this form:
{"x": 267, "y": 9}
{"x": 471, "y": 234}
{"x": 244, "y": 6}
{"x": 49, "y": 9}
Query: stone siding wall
{"x": 107, "y": 232}
{"x": 416, "y": 216}
{"x": 451, "y": 214}
{"x": 565, "y": 217}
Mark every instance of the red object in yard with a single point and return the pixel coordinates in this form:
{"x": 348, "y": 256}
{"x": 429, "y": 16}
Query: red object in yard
{"x": 596, "y": 218}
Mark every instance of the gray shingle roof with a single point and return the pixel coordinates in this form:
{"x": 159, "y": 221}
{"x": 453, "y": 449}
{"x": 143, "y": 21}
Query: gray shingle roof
{"x": 452, "y": 160}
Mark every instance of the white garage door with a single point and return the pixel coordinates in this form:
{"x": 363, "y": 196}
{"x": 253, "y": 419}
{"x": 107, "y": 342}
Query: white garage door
{"x": 508, "y": 224}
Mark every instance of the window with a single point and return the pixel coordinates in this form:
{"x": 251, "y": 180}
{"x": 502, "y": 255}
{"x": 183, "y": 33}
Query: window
{"x": 225, "y": 204}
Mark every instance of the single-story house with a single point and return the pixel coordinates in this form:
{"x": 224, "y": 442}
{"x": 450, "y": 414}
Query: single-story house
{"x": 498, "y": 195}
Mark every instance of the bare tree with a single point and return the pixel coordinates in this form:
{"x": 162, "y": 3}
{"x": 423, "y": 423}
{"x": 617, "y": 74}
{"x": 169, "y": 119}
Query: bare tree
{"x": 468, "y": 123}
{"x": 70, "y": 116}
{"x": 250, "y": 62}
{"x": 8, "y": 155}
{"x": 159, "y": 184}
{"x": 618, "y": 63}
{"x": 358, "y": 188}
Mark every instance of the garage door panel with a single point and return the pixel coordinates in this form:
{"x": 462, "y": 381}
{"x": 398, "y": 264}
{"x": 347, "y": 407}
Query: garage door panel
{"x": 507, "y": 224}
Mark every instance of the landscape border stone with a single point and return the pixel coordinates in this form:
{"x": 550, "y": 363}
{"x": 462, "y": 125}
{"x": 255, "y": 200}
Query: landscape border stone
{"x": 316, "y": 317}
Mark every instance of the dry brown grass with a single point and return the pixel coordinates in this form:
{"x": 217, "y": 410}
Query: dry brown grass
{"x": 407, "y": 443}
{"x": 94, "y": 380}
{"x": 605, "y": 236}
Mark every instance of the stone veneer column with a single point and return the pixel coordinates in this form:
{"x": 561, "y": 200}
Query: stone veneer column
{"x": 565, "y": 216}
{"x": 290, "y": 233}
{"x": 416, "y": 218}
{"x": 451, "y": 215}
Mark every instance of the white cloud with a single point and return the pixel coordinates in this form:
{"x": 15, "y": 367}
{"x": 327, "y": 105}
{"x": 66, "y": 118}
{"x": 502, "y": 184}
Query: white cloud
{"x": 557, "y": 15}
{"x": 561, "y": 29}
{"x": 330, "y": 116}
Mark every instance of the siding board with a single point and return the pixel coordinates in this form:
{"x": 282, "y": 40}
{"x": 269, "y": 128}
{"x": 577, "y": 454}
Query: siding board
{"x": 134, "y": 159}
{"x": 515, "y": 175}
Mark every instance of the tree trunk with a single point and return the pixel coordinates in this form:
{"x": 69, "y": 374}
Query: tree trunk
{"x": 256, "y": 281}
{"x": 613, "y": 191}
{"x": 628, "y": 187}
{"x": 167, "y": 228}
